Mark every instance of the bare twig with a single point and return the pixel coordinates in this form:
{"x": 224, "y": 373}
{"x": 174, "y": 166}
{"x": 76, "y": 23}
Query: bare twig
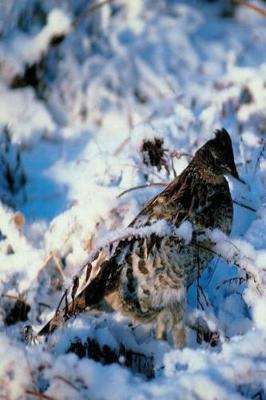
{"x": 59, "y": 266}
{"x": 178, "y": 154}
{"x": 39, "y": 395}
{"x": 251, "y": 6}
{"x": 61, "y": 378}
{"x": 244, "y": 206}
{"x": 173, "y": 166}
{"x": 45, "y": 263}
{"x": 231, "y": 261}
{"x": 90, "y": 11}
{"x": 237, "y": 279}
{"x": 260, "y": 156}
{"x": 258, "y": 395}
{"x": 121, "y": 146}
{"x": 11, "y": 296}
{"x": 41, "y": 304}
{"x": 60, "y": 302}
{"x": 148, "y": 185}
{"x": 204, "y": 297}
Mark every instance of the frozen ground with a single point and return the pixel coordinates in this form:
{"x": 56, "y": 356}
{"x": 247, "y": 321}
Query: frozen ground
{"x": 168, "y": 69}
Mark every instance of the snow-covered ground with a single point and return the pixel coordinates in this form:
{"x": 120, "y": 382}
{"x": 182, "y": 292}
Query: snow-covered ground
{"x": 71, "y": 140}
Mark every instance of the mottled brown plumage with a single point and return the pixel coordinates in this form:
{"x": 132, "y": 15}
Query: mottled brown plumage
{"x": 147, "y": 277}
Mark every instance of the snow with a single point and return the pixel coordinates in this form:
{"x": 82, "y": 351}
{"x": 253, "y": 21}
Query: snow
{"x": 129, "y": 72}
{"x": 21, "y": 49}
{"x": 19, "y": 109}
{"x": 15, "y": 377}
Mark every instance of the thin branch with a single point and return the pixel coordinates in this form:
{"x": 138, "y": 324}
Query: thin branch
{"x": 57, "y": 262}
{"x": 237, "y": 279}
{"x": 45, "y": 263}
{"x": 173, "y": 166}
{"x": 11, "y": 296}
{"x": 148, "y": 185}
{"x": 177, "y": 154}
{"x": 41, "y": 304}
{"x": 204, "y": 296}
{"x": 60, "y": 302}
{"x": 39, "y": 395}
{"x": 251, "y": 6}
{"x": 260, "y": 155}
{"x": 244, "y": 206}
{"x": 59, "y": 266}
{"x": 90, "y": 11}
{"x": 67, "y": 382}
{"x": 259, "y": 395}
{"x": 121, "y": 146}
{"x": 231, "y": 261}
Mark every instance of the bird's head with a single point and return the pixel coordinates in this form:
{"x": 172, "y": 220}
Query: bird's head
{"x": 217, "y": 155}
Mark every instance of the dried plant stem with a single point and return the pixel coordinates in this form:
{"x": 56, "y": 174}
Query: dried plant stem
{"x": 11, "y": 296}
{"x": 148, "y": 185}
{"x": 244, "y": 206}
{"x": 121, "y": 146}
{"x": 251, "y": 6}
{"x": 237, "y": 279}
{"x": 39, "y": 395}
{"x": 67, "y": 382}
{"x": 60, "y": 302}
{"x": 260, "y": 156}
{"x": 90, "y": 11}
{"x": 53, "y": 257}
{"x": 59, "y": 266}
{"x": 230, "y": 261}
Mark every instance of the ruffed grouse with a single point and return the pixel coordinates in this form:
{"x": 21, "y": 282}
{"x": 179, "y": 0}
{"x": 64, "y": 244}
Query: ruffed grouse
{"x": 147, "y": 277}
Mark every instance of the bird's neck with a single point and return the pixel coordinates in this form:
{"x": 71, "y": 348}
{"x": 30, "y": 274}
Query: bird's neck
{"x": 212, "y": 179}
{"x": 205, "y": 173}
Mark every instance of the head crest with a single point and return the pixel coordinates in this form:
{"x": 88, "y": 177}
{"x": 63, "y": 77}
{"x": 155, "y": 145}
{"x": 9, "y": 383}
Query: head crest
{"x": 223, "y": 136}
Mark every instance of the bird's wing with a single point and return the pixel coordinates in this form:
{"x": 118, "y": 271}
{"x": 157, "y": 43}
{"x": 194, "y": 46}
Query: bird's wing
{"x": 173, "y": 204}
{"x": 105, "y": 281}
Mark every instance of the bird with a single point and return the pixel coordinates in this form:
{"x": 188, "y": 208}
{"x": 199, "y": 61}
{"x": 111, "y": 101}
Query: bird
{"x": 147, "y": 277}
